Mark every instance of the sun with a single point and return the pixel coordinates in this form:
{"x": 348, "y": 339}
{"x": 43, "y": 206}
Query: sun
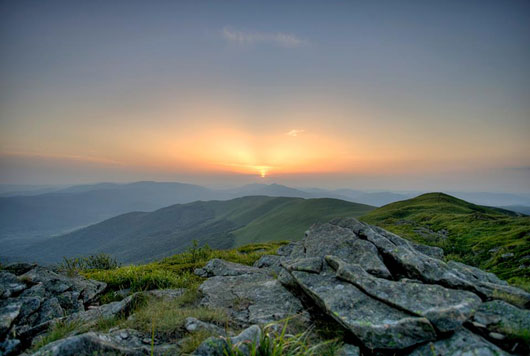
{"x": 263, "y": 172}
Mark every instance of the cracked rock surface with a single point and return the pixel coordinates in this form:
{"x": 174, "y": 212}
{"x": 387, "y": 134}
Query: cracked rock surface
{"x": 391, "y": 295}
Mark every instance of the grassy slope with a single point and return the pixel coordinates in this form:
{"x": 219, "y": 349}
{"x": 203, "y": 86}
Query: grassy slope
{"x": 142, "y": 237}
{"x": 476, "y": 235}
{"x": 288, "y": 221}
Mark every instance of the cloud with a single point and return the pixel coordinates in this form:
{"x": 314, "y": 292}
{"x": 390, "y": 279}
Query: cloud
{"x": 295, "y": 132}
{"x": 249, "y": 38}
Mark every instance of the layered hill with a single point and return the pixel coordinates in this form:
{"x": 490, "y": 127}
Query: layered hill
{"x": 494, "y": 239}
{"x": 143, "y": 236}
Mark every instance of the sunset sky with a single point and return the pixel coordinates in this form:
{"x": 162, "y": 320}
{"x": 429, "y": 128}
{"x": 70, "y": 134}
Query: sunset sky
{"x": 426, "y": 95}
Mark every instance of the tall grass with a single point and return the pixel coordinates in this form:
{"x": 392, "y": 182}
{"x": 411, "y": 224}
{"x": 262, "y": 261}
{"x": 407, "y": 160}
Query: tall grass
{"x": 177, "y": 271}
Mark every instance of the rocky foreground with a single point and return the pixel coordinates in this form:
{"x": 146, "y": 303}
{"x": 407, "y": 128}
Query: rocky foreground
{"x": 381, "y": 293}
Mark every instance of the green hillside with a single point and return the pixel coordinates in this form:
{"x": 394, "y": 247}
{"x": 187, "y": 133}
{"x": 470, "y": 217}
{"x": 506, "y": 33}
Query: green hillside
{"x": 481, "y": 236}
{"x": 289, "y": 220}
{"x": 140, "y": 237}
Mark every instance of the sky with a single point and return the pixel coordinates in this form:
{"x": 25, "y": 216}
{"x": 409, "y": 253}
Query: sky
{"x": 409, "y": 95}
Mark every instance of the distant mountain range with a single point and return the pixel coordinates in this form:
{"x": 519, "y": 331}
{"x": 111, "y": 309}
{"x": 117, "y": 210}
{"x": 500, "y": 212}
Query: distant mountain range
{"x": 144, "y": 236}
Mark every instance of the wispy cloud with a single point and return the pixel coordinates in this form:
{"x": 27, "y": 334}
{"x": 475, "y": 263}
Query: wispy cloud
{"x": 249, "y": 38}
{"x": 295, "y": 132}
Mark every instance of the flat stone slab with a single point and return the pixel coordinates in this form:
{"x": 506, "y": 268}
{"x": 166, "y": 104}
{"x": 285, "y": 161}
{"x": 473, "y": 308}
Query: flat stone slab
{"x": 445, "y": 308}
{"x": 375, "y": 324}
{"x": 252, "y": 298}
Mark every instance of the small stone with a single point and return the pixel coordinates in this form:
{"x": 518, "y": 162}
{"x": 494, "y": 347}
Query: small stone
{"x": 496, "y": 336}
{"x": 478, "y": 325}
{"x": 124, "y": 335}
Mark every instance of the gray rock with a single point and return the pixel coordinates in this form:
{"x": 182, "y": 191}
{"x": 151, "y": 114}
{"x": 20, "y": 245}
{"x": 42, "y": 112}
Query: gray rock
{"x": 286, "y": 250}
{"x": 251, "y": 298}
{"x": 193, "y": 325}
{"x": 412, "y": 264}
{"x": 55, "y": 283}
{"x": 105, "y": 311}
{"x": 348, "y": 350}
{"x": 10, "y": 347}
{"x": 10, "y": 285}
{"x": 8, "y": 313}
{"x": 18, "y": 268}
{"x": 327, "y": 239}
{"x": 431, "y": 251}
{"x": 462, "y": 343}
{"x": 50, "y": 309}
{"x": 120, "y": 342}
{"x": 500, "y": 317}
{"x": 269, "y": 261}
{"x": 445, "y": 308}
{"x": 311, "y": 264}
{"x": 218, "y": 267}
{"x": 507, "y": 256}
{"x": 244, "y": 342}
{"x": 375, "y": 324}
{"x": 166, "y": 293}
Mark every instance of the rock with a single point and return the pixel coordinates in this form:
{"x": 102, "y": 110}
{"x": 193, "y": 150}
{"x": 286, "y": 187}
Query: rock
{"x": 462, "y": 343}
{"x": 270, "y": 262}
{"x": 375, "y": 324}
{"x": 10, "y": 285}
{"x": 500, "y": 317}
{"x": 431, "y": 251}
{"x": 10, "y": 347}
{"x": 50, "y": 309}
{"x": 311, "y": 264}
{"x": 445, "y": 308}
{"x": 327, "y": 239}
{"x": 94, "y": 343}
{"x": 410, "y": 263}
{"x": 166, "y": 293}
{"x": 215, "y": 346}
{"x": 287, "y": 250}
{"x": 55, "y": 283}
{"x": 497, "y": 336}
{"x": 193, "y": 325}
{"x": 218, "y": 267}
{"x": 18, "y": 268}
{"x": 248, "y": 338}
{"x": 8, "y": 313}
{"x": 105, "y": 311}
{"x": 507, "y": 256}
{"x": 251, "y": 298}
{"x": 348, "y": 350}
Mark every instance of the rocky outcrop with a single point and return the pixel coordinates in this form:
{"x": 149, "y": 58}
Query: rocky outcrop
{"x": 32, "y": 297}
{"x": 390, "y": 294}
{"x": 385, "y": 294}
